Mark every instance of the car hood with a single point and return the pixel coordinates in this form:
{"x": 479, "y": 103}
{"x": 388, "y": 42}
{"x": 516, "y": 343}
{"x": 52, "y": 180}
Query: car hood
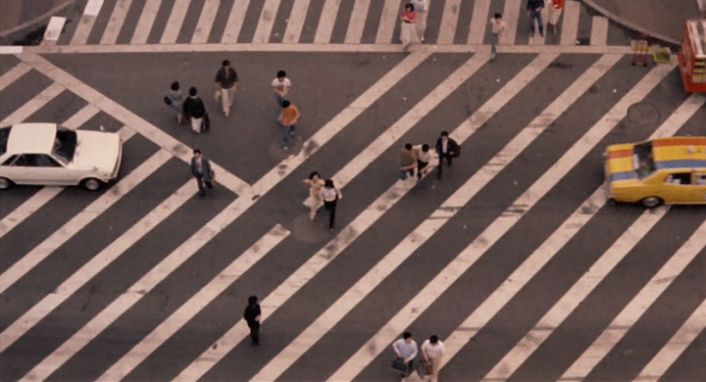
{"x": 619, "y": 163}
{"x": 96, "y": 151}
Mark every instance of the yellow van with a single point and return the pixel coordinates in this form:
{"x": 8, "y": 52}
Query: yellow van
{"x": 663, "y": 170}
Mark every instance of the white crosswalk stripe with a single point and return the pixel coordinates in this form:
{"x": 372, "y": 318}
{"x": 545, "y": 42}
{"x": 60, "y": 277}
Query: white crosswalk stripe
{"x": 203, "y": 26}
{"x": 175, "y": 21}
{"x": 354, "y": 34}
{"x": 479, "y": 21}
{"x": 236, "y": 17}
{"x": 33, "y": 105}
{"x": 144, "y": 23}
{"x": 570, "y": 24}
{"x": 117, "y": 19}
{"x": 267, "y": 21}
{"x": 13, "y": 75}
{"x": 295, "y": 23}
{"x": 85, "y": 23}
{"x": 449, "y": 21}
{"x": 326, "y": 21}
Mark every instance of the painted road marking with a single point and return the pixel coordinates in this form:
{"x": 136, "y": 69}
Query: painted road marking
{"x": 599, "y": 31}
{"x": 670, "y": 352}
{"x": 536, "y": 336}
{"x": 115, "y": 24}
{"x": 354, "y": 34}
{"x": 479, "y": 22}
{"x": 551, "y": 246}
{"x": 388, "y": 19}
{"x": 81, "y": 220}
{"x": 13, "y": 75}
{"x": 124, "y": 115}
{"x": 96, "y": 264}
{"x": 632, "y": 312}
{"x": 33, "y": 105}
{"x": 235, "y": 21}
{"x": 93, "y": 7}
{"x": 511, "y": 14}
{"x": 362, "y": 222}
{"x": 425, "y": 230}
{"x": 449, "y": 22}
{"x": 327, "y": 21}
{"x": 145, "y": 22}
{"x": 266, "y": 21}
{"x": 53, "y": 31}
{"x": 175, "y": 21}
{"x": 570, "y": 24}
{"x": 194, "y": 305}
{"x": 82, "y": 116}
{"x": 295, "y": 23}
{"x": 85, "y": 23}
{"x": 494, "y": 231}
{"x": 187, "y": 249}
{"x": 205, "y": 23}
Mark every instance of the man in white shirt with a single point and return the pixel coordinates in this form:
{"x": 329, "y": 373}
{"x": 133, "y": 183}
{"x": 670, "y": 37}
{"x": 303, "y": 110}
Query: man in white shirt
{"x": 423, "y": 155}
{"x": 420, "y": 7}
{"x": 406, "y": 349}
{"x": 281, "y": 86}
{"x": 433, "y": 351}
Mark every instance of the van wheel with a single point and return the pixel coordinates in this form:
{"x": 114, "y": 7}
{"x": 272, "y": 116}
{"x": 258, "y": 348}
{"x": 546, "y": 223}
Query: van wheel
{"x": 651, "y": 202}
{"x": 91, "y": 184}
{"x": 5, "y": 183}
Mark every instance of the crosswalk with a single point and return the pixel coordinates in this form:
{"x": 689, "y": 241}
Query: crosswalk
{"x": 130, "y": 22}
{"x": 139, "y": 282}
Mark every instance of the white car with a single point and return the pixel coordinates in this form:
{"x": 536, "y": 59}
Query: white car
{"x": 45, "y": 154}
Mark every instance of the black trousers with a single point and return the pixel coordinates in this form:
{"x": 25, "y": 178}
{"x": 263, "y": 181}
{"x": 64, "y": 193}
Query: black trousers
{"x": 443, "y": 157}
{"x": 254, "y": 331}
{"x": 203, "y": 184}
{"x": 331, "y": 207}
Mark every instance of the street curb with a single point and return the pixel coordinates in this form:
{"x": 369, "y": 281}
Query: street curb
{"x": 38, "y": 19}
{"x": 628, "y": 24}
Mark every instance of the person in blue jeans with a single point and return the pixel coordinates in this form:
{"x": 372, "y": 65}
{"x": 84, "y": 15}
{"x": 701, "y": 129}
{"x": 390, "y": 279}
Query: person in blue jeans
{"x": 534, "y": 7}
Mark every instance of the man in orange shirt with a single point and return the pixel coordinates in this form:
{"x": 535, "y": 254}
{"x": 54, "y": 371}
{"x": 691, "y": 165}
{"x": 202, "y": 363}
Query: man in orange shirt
{"x": 288, "y": 118}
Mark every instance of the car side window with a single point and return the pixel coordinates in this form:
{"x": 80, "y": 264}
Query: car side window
{"x": 36, "y": 160}
{"x": 679, "y": 178}
{"x": 700, "y": 179}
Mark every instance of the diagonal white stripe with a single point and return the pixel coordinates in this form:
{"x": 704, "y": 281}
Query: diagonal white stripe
{"x": 13, "y": 75}
{"x": 512, "y": 14}
{"x": 326, "y": 21}
{"x": 81, "y": 220}
{"x": 479, "y": 22}
{"x": 205, "y": 23}
{"x": 235, "y": 21}
{"x": 195, "y": 304}
{"x": 97, "y": 263}
{"x": 295, "y": 23}
{"x": 599, "y": 31}
{"x": 388, "y": 19}
{"x": 145, "y": 22}
{"x": 187, "y": 249}
{"x": 266, "y": 22}
{"x": 117, "y": 19}
{"x": 354, "y": 34}
{"x": 449, "y": 21}
{"x": 84, "y": 115}
{"x": 318, "y": 261}
{"x": 175, "y": 21}
{"x": 570, "y": 25}
{"x": 33, "y": 105}
{"x": 494, "y": 231}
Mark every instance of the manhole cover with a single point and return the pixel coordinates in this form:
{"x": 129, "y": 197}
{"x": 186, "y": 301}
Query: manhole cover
{"x": 644, "y": 113}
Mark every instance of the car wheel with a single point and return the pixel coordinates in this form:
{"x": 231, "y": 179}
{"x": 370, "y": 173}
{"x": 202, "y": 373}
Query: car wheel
{"x": 5, "y": 183}
{"x": 92, "y": 184}
{"x": 651, "y": 201}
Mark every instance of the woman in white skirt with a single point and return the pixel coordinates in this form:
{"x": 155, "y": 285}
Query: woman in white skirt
{"x": 314, "y": 201}
{"x": 408, "y": 29}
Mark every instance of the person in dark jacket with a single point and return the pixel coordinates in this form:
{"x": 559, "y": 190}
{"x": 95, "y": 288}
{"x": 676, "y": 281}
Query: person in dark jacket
{"x": 534, "y": 7}
{"x": 195, "y": 110}
{"x": 447, "y": 148}
{"x": 201, "y": 170}
{"x": 252, "y": 317}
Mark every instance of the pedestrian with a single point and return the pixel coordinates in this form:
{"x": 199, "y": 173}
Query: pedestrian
{"x": 555, "y": 9}
{"x": 281, "y": 85}
{"x": 175, "y": 100}
{"x": 420, "y": 7}
{"x": 202, "y": 171}
{"x": 447, "y": 149}
{"x": 252, "y": 318}
{"x": 433, "y": 351}
{"x": 288, "y": 118}
{"x": 408, "y": 161}
{"x": 227, "y": 81}
{"x": 330, "y": 195}
{"x": 408, "y": 32}
{"x": 406, "y": 350}
{"x": 497, "y": 29}
{"x": 314, "y": 201}
{"x": 423, "y": 158}
{"x": 195, "y": 110}
{"x": 534, "y": 8}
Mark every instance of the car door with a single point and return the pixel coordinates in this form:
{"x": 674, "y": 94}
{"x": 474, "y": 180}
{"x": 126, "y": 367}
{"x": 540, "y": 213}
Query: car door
{"x": 677, "y": 188}
{"x": 699, "y": 186}
{"x": 40, "y": 169}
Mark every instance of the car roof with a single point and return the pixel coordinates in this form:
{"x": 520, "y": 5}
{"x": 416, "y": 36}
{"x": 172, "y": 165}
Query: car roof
{"x": 679, "y": 152}
{"x": 31, "y": 138}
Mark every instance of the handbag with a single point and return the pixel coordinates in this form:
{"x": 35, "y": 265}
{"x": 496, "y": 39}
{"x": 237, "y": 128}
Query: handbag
{"x": 398, "y": 364}
{"x": 206, "y": 122}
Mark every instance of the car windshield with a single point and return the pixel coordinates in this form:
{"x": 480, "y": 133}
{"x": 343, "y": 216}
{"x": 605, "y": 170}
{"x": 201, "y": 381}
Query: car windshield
{"x": 4, "y": 136}
{"x": 65, "y": 144}
{"x": 644, "y": 164}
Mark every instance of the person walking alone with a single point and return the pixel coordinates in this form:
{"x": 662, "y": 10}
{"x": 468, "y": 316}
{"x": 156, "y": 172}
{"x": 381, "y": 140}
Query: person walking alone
{"x": 433, "y": 351}
{"x": 175, "y": 100}
{"x": 201, "y": 170}
{"x": 420, "y": 7}
{"x": 252, "y": 318}
{"x": 195, "y": 110}
{"x": 330, "y": 195}
{"x": 555, "y": 9}
{"x": 281, "y": 85}
{"x": 314, "y": 201}
{"x": 447, "y": 148}
{"x": 497, "y": 29}
{"x": 406, "y": 349}
{"x": 288, "y": 118}
{"x": 227, "y": 84}
{"x": 534, "y": 8}
{"x": 408, "y": 31}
